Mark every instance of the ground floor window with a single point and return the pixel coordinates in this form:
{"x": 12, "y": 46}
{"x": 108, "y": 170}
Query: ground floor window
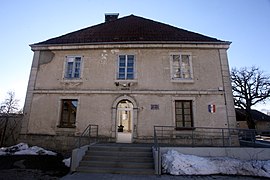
{"x": 183, "y": 114}
{"x": 68, "y": 113}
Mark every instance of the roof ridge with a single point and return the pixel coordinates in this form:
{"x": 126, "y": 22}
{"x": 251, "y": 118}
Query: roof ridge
{"x": 131, "y": 28}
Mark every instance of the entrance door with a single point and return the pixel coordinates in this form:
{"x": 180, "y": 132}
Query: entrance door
{"x": 124, "y": 123}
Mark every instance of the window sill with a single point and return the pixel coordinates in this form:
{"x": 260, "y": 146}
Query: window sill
{"x": 126, "y": 80}
{"x": 125, "y": 83}
{"x": 184, "y": 128}
{"x": 66, "y": 127}
{"x": 72, "y": 80}
{"x": 182, "y": 80}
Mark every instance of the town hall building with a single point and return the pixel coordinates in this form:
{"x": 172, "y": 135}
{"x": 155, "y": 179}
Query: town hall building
{"x": 126, "y": 75}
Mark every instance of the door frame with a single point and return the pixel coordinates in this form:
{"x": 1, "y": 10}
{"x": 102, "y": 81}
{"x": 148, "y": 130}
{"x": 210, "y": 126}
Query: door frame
{"x": 115, "y": 116}
{"x": 124, "y": 137}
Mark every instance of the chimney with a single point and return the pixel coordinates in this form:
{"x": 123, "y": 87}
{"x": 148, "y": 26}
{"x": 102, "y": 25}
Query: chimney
{"x": 111, "y": 16}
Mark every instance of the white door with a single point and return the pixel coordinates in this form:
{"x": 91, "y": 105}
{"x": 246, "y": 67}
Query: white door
{"x": 124, "y": 123}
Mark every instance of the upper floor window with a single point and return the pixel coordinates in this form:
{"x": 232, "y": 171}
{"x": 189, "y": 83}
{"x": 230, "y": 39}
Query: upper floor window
{"x": 126, "y": 67}
{"x": 73, "y": 67}
{"x": 181, "y": 67}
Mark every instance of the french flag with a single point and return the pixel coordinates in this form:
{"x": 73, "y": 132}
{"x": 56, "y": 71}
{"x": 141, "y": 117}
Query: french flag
{"x": 212, "y": 108}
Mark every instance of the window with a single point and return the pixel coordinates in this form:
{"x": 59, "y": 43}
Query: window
{"x": 68, "y": 113}
{"x": 73, "y": 67}
{"x": 183, "y": 114}
{"x": 126, "y": 67}
{"x": 181, "y": 67}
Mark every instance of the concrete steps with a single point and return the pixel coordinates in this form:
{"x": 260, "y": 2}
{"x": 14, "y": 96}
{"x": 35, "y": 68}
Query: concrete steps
{"x": 118, "y": 159}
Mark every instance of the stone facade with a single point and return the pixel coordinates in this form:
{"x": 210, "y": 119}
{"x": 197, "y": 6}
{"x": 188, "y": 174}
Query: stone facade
{"x": 97, "y": 92}
{"x": 152, "y": 92}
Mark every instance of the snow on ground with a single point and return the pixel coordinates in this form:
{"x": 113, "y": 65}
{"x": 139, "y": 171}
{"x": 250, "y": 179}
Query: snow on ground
{"x": 24, "y": 149}
{"x": 67, "y": 162}
{"x": 180, "y": 164}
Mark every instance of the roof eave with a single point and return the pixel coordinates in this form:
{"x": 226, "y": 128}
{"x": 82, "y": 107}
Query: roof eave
{"x": 134, "y": 44}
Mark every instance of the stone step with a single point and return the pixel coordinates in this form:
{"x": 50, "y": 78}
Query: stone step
{"x": 117, "y": 158}
{"x": 115, "y": 170}
{"x": 122, "y": 159}
{"x": 118, "y": 164}
{"x": 119, "y": 153}
{"x": 120, "y": 149}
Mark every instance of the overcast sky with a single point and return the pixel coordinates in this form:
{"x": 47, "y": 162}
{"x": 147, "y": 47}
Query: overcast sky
{"x": 246, "y": 23}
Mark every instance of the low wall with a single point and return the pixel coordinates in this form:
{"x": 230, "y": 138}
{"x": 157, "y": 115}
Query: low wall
{"x": 67, "y": 142}
{"x": 12, "y": 129}
{"x": 77, "y": 155}
{"x": 233, "y": 152}
{"x": 60, "y": 143}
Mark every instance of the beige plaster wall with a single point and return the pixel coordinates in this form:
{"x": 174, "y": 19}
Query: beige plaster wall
{"x": 97, "y": 109}
{"x": 153, "y": 70}
{"x": 44, "y": 113}
{"x": 97, "y": 92}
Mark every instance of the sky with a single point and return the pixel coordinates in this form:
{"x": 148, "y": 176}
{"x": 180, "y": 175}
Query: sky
{"x": 245, "y": 23}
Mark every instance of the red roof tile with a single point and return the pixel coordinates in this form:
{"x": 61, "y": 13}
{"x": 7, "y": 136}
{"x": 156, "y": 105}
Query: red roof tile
{"x": 129, "y": 29}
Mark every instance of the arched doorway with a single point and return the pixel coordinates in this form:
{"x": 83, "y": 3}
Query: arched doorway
{"x": 124, "y": 105}
{"x": 124, "y": 122}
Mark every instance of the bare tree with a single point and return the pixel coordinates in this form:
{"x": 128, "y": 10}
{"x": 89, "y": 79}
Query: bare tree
{"x": 8, "y": 107}
{"x": 250, "y": 86}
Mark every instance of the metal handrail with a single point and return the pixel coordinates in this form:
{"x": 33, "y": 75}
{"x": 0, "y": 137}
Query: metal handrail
{"x": 91, "y": 132}
{"x": 155, "y": 139}
{"x": 206, "y": 136}
{"x": 157, "y": 149}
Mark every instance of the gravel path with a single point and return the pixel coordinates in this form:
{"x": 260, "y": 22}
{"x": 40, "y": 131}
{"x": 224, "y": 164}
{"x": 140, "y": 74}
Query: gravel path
{"x": 26, "y": 174}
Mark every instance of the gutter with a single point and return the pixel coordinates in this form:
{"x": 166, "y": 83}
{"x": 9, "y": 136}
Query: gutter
{"x": 132, "y": 44}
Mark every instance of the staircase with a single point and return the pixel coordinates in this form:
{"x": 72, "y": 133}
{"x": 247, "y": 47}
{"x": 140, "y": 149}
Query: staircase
{"x": 118, "y": 159}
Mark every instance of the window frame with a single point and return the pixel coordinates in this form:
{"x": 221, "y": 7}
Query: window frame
{"x": 65, "y": 73}
{"x": 192, "y": 108}
{"x": 61, "y": 122}
{"x": 181, "y": 79}
{"x": 126, "y": 68}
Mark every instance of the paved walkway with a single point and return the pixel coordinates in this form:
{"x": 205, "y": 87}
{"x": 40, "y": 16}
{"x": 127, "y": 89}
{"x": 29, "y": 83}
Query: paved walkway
{"x": 87, "y": 176}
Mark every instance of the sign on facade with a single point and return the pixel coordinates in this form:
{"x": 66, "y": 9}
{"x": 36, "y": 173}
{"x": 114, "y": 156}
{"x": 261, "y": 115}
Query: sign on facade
{"x": 154, "y": 106}
{"x": 212, "y": 108}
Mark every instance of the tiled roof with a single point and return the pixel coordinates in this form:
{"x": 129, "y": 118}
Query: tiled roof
{"x": 256, "y": 115}
{"x": 130, "y": 29}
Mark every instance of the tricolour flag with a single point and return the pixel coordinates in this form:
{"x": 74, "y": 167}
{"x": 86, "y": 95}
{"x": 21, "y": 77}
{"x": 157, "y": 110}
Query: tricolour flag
{"x": 212, "y": 108}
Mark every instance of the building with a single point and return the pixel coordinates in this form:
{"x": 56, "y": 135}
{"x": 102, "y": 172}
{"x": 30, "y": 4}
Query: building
{"x": 262, "y": 121}
{"x": 126, "y": 75}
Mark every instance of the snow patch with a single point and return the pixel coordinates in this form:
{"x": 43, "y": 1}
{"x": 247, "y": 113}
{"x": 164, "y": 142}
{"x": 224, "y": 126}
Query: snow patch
{"x": 67, "y": 162}
{"x": 181, "y": 164}
{"x": 24, "y": 149}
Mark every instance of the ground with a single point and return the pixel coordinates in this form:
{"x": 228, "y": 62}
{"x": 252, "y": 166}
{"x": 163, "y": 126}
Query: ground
{"x": 26, "y": 167}
{"x": 21, "y": 162}
{"x": 26, "y": 174}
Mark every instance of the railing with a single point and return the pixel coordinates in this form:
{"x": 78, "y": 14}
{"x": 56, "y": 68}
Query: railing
{"x": 254, "y": 138}
{"x": 89, "y": 135}
{"x": 157, "y": 156}
{"x": 206, "y": 136}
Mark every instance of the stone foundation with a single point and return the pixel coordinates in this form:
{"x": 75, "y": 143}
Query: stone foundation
{"x": 68, "y": 142}
{"x": 52, "y": 142}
